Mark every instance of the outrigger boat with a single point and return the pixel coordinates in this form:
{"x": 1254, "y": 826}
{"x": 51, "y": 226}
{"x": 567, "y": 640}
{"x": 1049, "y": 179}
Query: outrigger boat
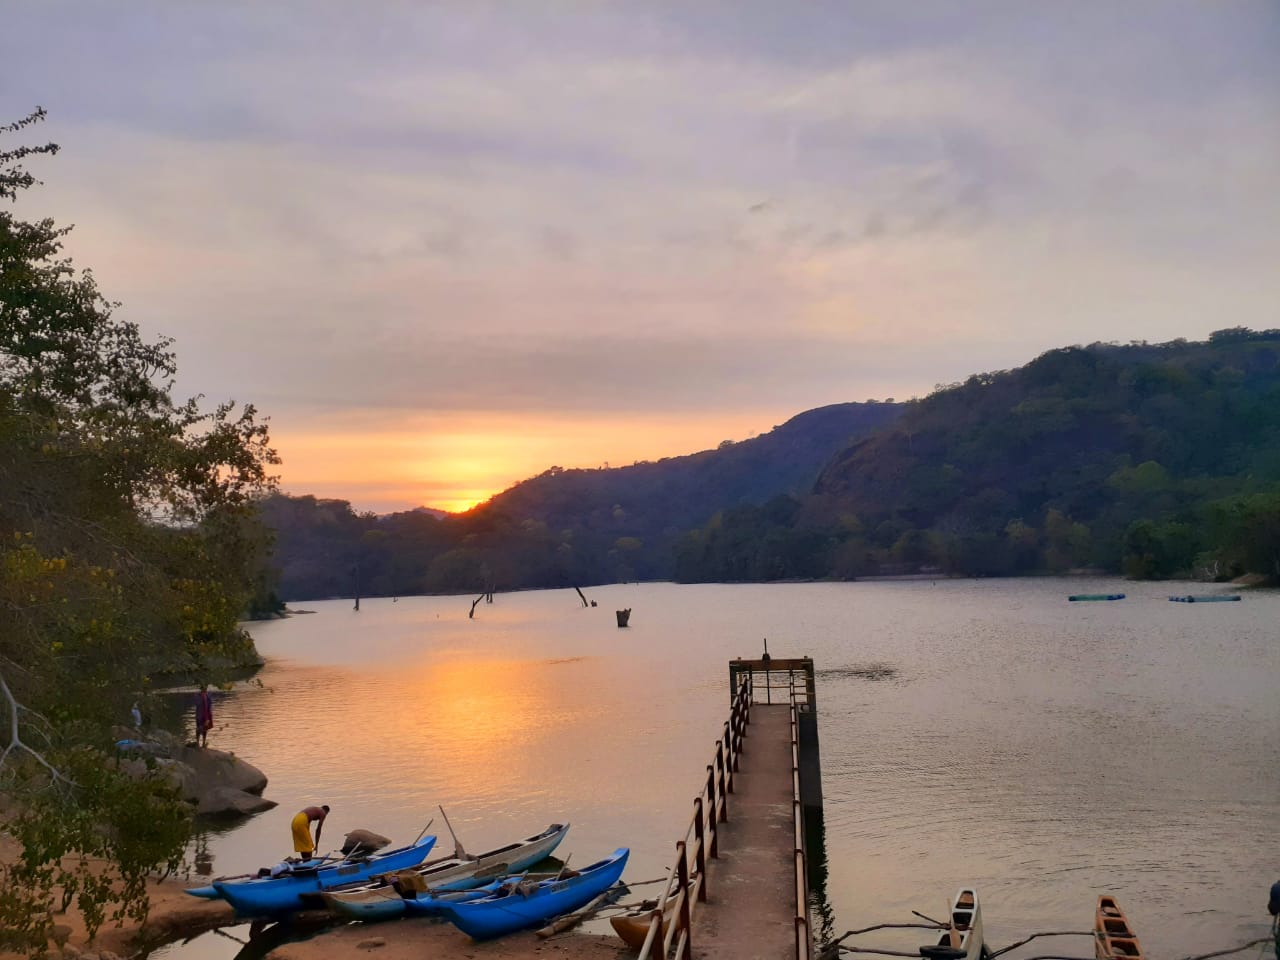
{"x": 1113, "y": 938}
{"x": 962, "y": 939}
{"x": 266, "y": 896}
{"x": 517, "y": 906}
{"x": 414, "y": 891}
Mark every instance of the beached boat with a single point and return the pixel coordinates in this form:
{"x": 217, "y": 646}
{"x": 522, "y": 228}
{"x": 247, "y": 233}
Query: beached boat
{"x": 1113, "y": 938}
{"x": 963, "y": 937}
{"x": 271, "y": 895}
{"x": 633, "y": 928}
{"x": 1096, "y": 596}
{"x": 522, "y": 905}
{"x": 387, "y": 896}
{"x": 1206, "y": 598}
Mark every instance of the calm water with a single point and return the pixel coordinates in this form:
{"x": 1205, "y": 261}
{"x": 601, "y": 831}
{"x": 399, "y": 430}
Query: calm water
{"x": 983, "y": 732}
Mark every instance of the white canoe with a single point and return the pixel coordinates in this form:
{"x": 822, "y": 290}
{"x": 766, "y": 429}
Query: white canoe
{"x": 963, "y": 937}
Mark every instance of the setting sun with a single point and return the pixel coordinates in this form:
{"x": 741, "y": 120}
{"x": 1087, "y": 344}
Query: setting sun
{"x": 454, "y": 461}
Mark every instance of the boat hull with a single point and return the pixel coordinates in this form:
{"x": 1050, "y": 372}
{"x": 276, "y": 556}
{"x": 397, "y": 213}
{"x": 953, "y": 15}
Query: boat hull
{"x": 273, "y": 895}
{"x": 497, "y": 915}
{"x": 382, "y": 901}
{"x": 963, "y": 939}
{"x": 633, "y": 928}
{"x": 1113, "y": 938}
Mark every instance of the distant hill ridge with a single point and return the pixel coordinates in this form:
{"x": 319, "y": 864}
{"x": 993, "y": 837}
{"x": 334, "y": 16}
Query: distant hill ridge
{"x": 575, "y": 526}
{"x": 1152, "y": 459}
{"x": 687, "y": 490}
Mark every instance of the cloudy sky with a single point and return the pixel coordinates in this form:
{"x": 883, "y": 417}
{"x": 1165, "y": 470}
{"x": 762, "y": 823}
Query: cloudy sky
{"x": 447, "y": 245}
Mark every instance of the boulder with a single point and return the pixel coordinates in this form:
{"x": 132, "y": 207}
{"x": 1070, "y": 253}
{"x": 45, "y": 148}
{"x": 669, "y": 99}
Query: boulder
{"x": 223, "y": 801}
{"x": 371, "y": 943}
{"x": 217, "y": 768}
{"x": 219, "y": 783}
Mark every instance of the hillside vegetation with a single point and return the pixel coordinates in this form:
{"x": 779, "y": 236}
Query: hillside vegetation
{"x": 561, "y": 527}
{"x": 1154, "y": 460}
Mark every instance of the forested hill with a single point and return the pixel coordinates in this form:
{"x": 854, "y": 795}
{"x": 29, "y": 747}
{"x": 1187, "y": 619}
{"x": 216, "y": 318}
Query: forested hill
{"x": 560, "y": 528}
{"x": 676, "y": 493}
{"x": 1151, "y": 459}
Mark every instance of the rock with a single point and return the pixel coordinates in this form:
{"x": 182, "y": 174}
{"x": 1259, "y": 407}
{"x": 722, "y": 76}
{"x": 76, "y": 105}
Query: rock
{"x": 228, "y": 801}
{"x": 71, "y": 952}
{"x": 61, "y": 933}
{"x": 217, "y": 782}
{"x": 371, "y": 943}
{"x": 365, "y": 840}
{"x": 217, "y": 768}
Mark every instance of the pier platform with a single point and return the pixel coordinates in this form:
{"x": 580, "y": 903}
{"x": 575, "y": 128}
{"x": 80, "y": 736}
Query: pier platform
{"x": 749, "y": 912}
{"x": 739, "y": 884}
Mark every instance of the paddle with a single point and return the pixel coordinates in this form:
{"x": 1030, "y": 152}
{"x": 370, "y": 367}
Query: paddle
{"x": 424, "y": 831}
{"x": 458, "y": 852}
{"x": 564, "y": 866}
{"x": 571, "y": 920}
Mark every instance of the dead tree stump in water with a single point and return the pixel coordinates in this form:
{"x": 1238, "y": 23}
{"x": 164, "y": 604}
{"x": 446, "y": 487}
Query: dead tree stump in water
{"x": 624, "y": 616}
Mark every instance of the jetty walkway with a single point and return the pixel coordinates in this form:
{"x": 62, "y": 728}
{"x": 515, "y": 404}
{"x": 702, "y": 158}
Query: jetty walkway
{"x": 739, "y": 884}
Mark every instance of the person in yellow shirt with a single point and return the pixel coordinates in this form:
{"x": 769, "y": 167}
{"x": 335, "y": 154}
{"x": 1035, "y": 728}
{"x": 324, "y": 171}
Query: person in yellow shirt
{"x": 303, "y": 845}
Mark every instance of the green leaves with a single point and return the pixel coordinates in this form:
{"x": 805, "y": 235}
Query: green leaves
{"x": 129, "y": 548}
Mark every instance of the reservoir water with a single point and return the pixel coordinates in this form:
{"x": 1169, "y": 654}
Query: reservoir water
{"x": 973, "y": 732}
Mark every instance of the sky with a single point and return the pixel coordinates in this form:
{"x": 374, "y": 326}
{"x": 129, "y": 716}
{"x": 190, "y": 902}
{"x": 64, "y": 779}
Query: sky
{"x": 444, "y": 246}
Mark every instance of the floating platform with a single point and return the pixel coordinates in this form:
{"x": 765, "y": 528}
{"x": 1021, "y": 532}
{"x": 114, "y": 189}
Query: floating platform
{"x": 1096, "y": 596}
{"x": 1212, "y": 598}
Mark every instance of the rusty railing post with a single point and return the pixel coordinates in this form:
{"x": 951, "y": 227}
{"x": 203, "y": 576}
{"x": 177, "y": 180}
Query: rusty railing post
{"x": 686, "y": 925}
{"x": 700, "y": 855}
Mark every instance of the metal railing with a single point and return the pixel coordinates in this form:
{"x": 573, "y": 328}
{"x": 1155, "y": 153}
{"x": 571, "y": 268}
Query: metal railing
{"x": 687, "y": 882}
{"x": 804, "y": 934}
{"x": 792, "y": 678}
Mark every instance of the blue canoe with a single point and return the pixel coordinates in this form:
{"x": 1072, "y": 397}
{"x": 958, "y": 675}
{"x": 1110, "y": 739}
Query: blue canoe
{"x": 1095, "y": 596}
{"x": 505, "y": 912}
{"x": 273, "y": 895}
{"x": 387, "y": 897}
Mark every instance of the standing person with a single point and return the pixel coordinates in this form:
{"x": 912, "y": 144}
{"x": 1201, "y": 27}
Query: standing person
{"x": 204, "y": 716}
{"x": 301, "y": 829}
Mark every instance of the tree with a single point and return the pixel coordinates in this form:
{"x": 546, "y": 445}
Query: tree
{"x": 128, "y": 551}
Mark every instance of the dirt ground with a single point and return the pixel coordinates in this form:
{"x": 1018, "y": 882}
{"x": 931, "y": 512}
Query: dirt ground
{"x": 174, "y": 915}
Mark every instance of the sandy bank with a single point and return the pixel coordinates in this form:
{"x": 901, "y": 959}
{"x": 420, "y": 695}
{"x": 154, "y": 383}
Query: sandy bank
{"x": 413, "y": 939}
{"x": 175, "y": 915}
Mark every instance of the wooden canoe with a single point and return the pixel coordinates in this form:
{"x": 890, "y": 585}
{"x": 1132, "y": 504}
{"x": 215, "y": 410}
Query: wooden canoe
{"x": 633, "y": 928}
{"x": 963, "y": 937}
{"x": 1113, "y": 938}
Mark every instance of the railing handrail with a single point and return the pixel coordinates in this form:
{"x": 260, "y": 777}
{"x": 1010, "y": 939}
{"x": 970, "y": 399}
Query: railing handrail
{"x": 686, "y": 884}
{"x": 804, "y": 935}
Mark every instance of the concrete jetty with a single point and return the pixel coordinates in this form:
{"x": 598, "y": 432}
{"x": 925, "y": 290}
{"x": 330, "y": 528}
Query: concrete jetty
{"x": 739, "y": 885}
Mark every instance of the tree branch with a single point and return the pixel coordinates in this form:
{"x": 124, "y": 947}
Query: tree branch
{"x": 15, "y": 740}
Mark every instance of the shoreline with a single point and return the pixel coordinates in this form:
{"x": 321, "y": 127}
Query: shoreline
{"x": 175, "y": 915}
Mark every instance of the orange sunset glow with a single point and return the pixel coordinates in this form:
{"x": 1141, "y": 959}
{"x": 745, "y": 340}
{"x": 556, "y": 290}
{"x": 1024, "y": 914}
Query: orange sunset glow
{"x": 453, "y": 461}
